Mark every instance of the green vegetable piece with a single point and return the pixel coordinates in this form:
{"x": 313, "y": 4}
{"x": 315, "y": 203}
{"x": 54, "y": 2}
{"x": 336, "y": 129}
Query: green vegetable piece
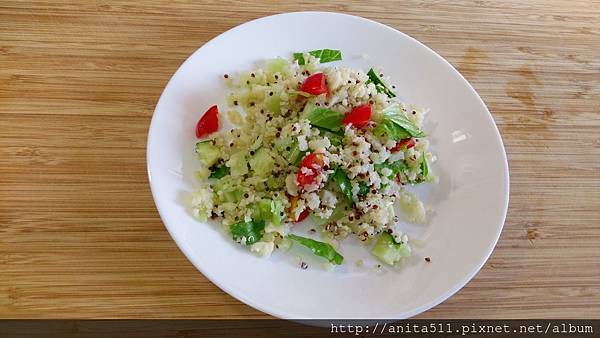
{"x": 379, "y": 85}
{"x": 295, "y": 155}
{"x": 424, "y": 166}
{"x": 268, "y": 211}
{"x": 273, "y": 104}
{"x": 402, "y": 121}
{"x": 343, "y": 182}
{"x": 321, "y": 249}
{"x": 247, "y": 232}
{"x": 396, "y": 167}
{"x": 277, "y": 65}
{"x": 388, "y": 251}
{"x": 324, "y": 55}
{"x": 338, "y": 213}
{"x": 219, "y": 171}
{"x": 261, "y": 162}
{"x": 326, "y": 118}
{"x": 391, "y": 130}
{"x": 207, "y": 152}
{"x": 363, "y": 188}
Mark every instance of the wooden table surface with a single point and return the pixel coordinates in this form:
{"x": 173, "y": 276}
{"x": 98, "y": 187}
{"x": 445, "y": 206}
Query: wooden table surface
{"x": 79, "y": 233}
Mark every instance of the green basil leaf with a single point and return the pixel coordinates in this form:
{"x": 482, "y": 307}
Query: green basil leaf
{"x": 321, "y": 249}
{"x": 379, "y": 85}
{"x": 251, "y": 231}
{"x": 398, "y": 118}
{"x": 324, "y": 55}
{"x": 391, "y": 130}
{"x": 340, "y": 178}
{"x": 219, "y": 171}
{"x": 363, "y": 188}
{"x": 326, "y": 118}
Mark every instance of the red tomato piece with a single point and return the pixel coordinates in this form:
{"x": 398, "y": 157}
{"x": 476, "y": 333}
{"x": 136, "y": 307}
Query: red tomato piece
{"x": 359, "y": 116}
{"x": 302, "y": 215}
{"x": 315, "y": 84}
{"x": 305, "y": 178}
{"x": 312, "y": 161}
{"x": 404, "y": 143}
{"x": 208, "y": 123}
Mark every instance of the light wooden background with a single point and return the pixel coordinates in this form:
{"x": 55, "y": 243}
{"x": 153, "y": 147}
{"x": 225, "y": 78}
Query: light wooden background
{"x": 79, "y": 233}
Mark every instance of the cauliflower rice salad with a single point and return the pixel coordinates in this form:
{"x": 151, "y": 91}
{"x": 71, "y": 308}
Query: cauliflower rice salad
{"x": 329, "y": 143}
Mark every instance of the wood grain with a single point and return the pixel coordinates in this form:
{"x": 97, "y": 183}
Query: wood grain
{"x": 79, "y": 233}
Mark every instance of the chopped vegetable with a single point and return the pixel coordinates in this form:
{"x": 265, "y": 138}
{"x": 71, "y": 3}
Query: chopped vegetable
{"x": 359, "y": 116}
{"x": 406, "y": 143}
{"x": 326, "y": 118}
{"x": 321, "y": 249}
{"x": 395, "y": 167}
{"x": 397, "y": 126}
{"x": 343, "y": 182}
{"x": 295, "y": 155}
{"x": 424, "y": 167}
{"x": 324, "y": 55}
{"x": 363, "y": 188}
{"x": 268, "y": 210}
{"x": 262, "y": 163}
{"x": 247, "y": 232}
{"x": 208, "y": 123}
{"x": 396, "y": 116}
{"x": 388, "y": 250}
{"x": 391, "y": 130}
{"x": 315, "y": 84}
{"x": 208, "y": 154}
{"x": 219, "y": 171}
{"x": 379, "y": 85}
{"x": 310, "y": 167}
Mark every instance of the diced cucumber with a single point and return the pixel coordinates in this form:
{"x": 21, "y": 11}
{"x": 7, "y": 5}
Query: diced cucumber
{"x": 273, "y": 104}
{"x": 277, "y": 65}
{"x": 262, "y": 163}
{"x": 207, "y": 152}
{"x": 237, "y": 163}
{"x": 388, "y": 251}
{"x": 268, "y": 210}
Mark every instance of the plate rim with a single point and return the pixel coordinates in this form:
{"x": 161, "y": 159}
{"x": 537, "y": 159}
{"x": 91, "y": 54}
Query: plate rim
{"x": 284, "y": 314}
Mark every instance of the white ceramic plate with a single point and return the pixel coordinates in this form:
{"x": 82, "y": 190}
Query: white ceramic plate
{"x": 469, "y": 203}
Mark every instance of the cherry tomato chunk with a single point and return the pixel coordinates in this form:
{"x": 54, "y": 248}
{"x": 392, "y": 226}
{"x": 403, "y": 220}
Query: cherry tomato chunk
{"x": 315, "y": 84}
{"x": 406, "y": 143}
{"x": 208, "y": 123}
{"x": 359, "y": 116}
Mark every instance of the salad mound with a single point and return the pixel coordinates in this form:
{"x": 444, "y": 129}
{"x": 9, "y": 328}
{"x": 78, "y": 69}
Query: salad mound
{"x": 329, "y": 143}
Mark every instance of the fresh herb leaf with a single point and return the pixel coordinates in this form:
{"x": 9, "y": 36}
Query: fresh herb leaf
{"x": 391, "y": 130}
{"x": 326, "y": 118}
{"x": 396, "y": 116}
{"x": 321, "y": 249}
{"x": 324, "y": 55}
{"x": 379, "y": 85}
{"x": 340, "y": 178}
{"x": 424, "y": 167}
{"x": 396, "y": 167}
{"x": 219, "y": 171}
{"x": 251, "y": 231}
{"x": 363, "y": 188}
